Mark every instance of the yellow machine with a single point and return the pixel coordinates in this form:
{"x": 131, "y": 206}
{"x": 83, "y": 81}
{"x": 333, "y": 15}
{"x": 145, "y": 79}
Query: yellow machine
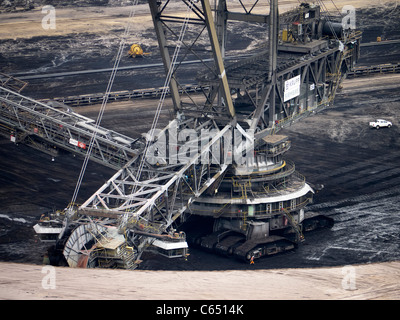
{"x": 136, "y": 51}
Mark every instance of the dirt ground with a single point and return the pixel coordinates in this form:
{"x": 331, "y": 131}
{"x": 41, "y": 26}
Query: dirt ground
{"x": 360, "y": 282}
{"x": 358, "y": 167}
{"x": 103, "y": 18}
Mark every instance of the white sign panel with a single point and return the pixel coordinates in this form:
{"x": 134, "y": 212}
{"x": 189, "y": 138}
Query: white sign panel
{"x": 292, "y": 88}
{"x": 77, "y": 143}
{"x": 73, "y": 141}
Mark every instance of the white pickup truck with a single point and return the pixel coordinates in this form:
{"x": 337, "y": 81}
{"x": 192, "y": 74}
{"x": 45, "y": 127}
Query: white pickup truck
{"x": 380, "y": 123}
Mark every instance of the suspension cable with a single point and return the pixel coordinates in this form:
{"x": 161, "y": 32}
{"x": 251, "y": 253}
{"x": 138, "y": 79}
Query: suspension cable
{"x": 170, "y": 73}
{"x": 328, "y": 19}
{"x": 105, "y": 100}
{"x": 165, "y": 88}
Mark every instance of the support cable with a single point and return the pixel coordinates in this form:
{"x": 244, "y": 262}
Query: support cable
{"x": 170, "y": 73}
{"x": 105, "y": 100}
{"x": 165, "y": 89}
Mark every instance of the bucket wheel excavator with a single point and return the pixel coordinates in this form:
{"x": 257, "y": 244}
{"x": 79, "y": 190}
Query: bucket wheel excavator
{"x": 221, "y": 159}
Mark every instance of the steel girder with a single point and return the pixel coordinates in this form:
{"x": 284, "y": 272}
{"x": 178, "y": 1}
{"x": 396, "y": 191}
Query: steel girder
{"x": 31, "y": 120}
{"x": 217, "y": 101}
{"x": 261, "y": 77}
{"x": 143, "y": 201}
{"x": 159, "y": 193}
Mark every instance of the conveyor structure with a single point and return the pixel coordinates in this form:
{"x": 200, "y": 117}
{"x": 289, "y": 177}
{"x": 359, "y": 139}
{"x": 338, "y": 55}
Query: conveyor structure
{"x": 53, "y": 126}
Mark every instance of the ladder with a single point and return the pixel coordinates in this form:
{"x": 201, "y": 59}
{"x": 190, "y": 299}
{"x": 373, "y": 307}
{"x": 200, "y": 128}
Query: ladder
{"x": 243, "y": 189}
{"x": 296, "y": 226}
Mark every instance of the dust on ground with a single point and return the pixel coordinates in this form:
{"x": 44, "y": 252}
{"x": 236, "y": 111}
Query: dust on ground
{"x": 360, "y": 282}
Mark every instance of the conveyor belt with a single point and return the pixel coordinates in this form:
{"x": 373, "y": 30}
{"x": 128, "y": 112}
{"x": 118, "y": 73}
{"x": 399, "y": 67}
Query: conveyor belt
{"x": 372, "y": 70}
{"x": 58, "y": 126}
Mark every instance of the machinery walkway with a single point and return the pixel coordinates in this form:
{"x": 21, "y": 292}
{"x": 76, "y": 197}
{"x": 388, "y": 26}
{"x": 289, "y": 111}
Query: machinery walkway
{"x": 51, "y": 126}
